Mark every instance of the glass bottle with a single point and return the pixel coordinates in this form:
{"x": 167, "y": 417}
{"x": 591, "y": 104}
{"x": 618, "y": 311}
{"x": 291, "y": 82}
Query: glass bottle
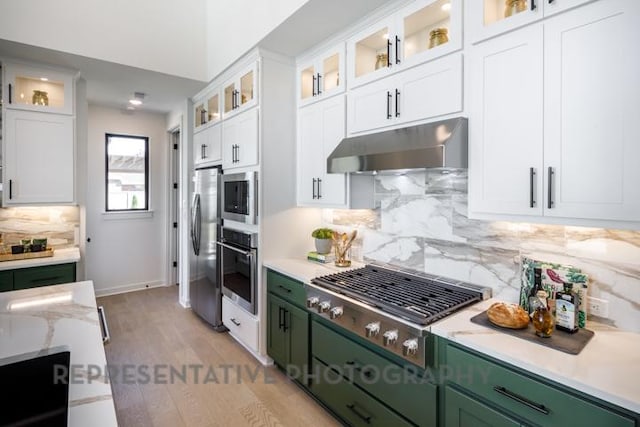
{"x": 437, "y": 37}
{"x": 40, "y": 98}
{"x": 537, "y": 286}
{"x": 511, "y": 7}
{"x": 567, "y": 303}
{"x": 381, "y": 60}
{"x": 542, "y": 318}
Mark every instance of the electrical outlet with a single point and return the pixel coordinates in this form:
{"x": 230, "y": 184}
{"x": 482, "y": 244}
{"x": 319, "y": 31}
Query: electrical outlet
{"x": 598, "y": 307}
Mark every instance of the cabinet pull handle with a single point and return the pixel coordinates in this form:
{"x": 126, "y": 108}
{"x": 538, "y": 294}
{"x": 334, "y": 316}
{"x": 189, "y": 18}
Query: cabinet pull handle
{"x": 534, "y": 6}
{"x": 235, "y": 155}
{"x": 47, "y": 280}
{"x": 10, "y": 189}
{"x": 551, "y": 1}
{"x": 313, "y": 87}
{"x": 10, "y": 92}
{"x": 103, "y": 325}
{"x": 388, "y": 53}
{"x": 287, "y": 290}
{"x": 397, "y": 51}
{"x": 285, "y": 325}
{"x": 313, "y": 188}
{"x": 235, "y": 322}
{"x": 550, "y": 188}
{"x": 319, "y": 91}
{"x": 280, "y": 321}
{"x": 532, "y": 174}
{"x": 388, "y": 105}
{"x": 364, "y": 417}
{"x": 397, "y": 103}
{"x": 520, "y": 399}
{"x": 233, "y": 100}
{"x": 319, "y": 189}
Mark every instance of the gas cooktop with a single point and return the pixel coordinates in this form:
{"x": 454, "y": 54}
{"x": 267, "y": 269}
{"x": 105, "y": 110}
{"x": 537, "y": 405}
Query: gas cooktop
{"x": 421, "y": 299}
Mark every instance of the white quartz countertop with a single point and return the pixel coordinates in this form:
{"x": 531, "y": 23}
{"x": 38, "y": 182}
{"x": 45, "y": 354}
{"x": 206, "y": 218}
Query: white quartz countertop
{"x": 72, "y": 321}
{"x": 60, "y": 256}
{"x": 607, "y": 368}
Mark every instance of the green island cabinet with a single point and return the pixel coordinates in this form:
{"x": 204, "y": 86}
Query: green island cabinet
{"x": 481, "y": 391}
{"x": 287, "y": 325}
{"x": 32, "y": 277}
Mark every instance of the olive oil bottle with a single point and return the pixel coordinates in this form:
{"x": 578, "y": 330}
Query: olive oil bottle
{"x": 542, "y": 318}
{"x": 537, "y": 287}
{"x": 567, "y": 303}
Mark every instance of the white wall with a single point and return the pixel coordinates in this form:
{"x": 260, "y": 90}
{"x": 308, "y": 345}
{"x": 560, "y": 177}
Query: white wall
{"x": 167, "y": 36}
{"x": 126, "y": 254}
{"x": 234, "y": 27}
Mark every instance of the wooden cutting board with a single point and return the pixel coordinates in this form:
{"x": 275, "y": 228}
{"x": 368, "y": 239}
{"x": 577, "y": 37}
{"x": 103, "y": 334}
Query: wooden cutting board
{"x": 27, "y": 255}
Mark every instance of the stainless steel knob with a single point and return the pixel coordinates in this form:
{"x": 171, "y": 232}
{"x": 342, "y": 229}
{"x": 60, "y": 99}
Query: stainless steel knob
{"x": 390, "y": 337}
{"x": 312, "y": 301}
{"x": 410, "y": 347}
{"x": 324, "y": 306}
{"x": 372, "y": 329}
{"x": 335, "y": 312}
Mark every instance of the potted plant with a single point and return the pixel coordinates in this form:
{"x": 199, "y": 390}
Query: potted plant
{"x": 323, "y": 239}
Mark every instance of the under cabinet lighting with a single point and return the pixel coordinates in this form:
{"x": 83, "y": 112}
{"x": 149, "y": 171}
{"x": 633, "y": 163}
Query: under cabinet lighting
{"x": 446, "y": 7}
{"x": 44, "y": 79}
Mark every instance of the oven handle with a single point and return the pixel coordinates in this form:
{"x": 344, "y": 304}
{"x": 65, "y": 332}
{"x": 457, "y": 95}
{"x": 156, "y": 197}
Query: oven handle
{"x": 236, "y": 249}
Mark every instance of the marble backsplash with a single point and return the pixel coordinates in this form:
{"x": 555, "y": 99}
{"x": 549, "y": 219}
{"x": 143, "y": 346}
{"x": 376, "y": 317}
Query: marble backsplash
{"x": 420, "y": 222}
{"x": 59, "y": 224}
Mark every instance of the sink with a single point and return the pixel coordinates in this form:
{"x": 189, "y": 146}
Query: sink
{"x": 35, "y": 389}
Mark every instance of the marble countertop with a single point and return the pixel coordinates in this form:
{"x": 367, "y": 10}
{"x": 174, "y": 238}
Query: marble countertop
{"x": 606, "y": 368}
{"x": 71, "y": 321}
{"x": 60, "y": 256}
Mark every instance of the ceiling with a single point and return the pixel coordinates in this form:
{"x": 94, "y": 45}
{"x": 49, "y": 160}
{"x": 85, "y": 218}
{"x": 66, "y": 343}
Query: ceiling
{"x": 109, "y": 83}
{"x": 113, "y": 84}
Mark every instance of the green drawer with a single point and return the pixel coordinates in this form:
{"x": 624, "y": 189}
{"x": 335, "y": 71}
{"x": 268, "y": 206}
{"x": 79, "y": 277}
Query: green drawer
{"x": 408, "y": 394}
{"x": 524, "y": 396}
{"x": 285, "y": 287}
{"x": 465, "y": 411}
{"x": 349, "y": 402}
{"x": 6, "y": 281}
{"x": 43, "y": 276}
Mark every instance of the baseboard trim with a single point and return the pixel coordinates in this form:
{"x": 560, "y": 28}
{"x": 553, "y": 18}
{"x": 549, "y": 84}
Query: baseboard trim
{"x": 264, "y": 360}
{"x": 129, "y": 288}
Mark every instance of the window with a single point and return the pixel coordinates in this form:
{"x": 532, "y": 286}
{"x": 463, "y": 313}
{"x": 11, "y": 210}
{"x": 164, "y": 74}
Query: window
{"x": 127, "y": 173}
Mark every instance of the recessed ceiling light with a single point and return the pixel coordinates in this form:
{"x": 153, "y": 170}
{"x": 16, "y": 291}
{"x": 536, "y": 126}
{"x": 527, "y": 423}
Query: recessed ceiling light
{"x": 135, "y": 102}
{"x": 446, "y": 7}
{"x": 137, "y": 98}
{"x": 44, "y": 79}
{"x": 385, "y": 36}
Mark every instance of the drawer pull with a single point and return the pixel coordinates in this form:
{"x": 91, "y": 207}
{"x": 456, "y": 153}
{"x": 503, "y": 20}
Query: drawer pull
{"x": 364, "y": 417}
{"x": 358, "y": 368}
{"x": 103, "y": 325}
{"x": 235, "y": 322}
{"x": 285, "y": 289}
{"x": 511, "y": 395}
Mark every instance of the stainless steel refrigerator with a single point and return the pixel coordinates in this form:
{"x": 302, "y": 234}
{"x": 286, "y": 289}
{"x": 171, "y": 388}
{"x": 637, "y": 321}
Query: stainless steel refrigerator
{"x": 204, "y": 286}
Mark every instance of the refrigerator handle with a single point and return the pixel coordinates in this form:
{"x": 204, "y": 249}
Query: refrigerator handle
{"x": 196, "y": 224}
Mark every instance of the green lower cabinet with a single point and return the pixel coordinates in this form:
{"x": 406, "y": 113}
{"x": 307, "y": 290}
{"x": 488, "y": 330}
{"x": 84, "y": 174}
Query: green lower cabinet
{"x": 464, "y": 411}
{"x": 43, "y": 276}
{"x": 6, "y": 281}
{"x": 288, "y": 337}
{"x": 522, "y": 396}
{"x": 349, "y": 402}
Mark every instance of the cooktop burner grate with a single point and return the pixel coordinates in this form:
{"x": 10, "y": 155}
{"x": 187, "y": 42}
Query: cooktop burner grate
{"x": 418, "y": 299}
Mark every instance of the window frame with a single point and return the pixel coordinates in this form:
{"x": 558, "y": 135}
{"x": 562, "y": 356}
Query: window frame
{"x": 146, "y": 173}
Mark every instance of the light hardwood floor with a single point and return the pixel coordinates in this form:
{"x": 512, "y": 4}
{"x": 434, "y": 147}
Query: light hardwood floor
{"x": 150, "y": 330}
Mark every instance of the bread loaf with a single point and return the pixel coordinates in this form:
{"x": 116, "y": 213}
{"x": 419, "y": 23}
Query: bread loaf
{"x": 508, "y": 315}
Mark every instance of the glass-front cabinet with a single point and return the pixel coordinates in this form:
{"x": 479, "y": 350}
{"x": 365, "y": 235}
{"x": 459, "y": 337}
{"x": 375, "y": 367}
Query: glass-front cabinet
{"x": 37, "y": 89}
{"x": 321, "y": 75}
{"x": 421, "y": 31}
{"x": 206, "y": 110}
{"x": 241, "y": 92}
{"x": 489, "y": 18}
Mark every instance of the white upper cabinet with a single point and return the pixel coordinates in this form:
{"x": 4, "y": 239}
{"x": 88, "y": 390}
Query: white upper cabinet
{"x": 38, "y": 89}
{"x": 552, "y": 112}
{"x": 240, "y": 140}
{"x": 421, "y": 31}
{"x": 206, "y": 110}
{"x": 321, "y": 76}
{"x": 38, "y": 158}
{"x": 489, "y": 18}
{"x": 430, "y": 90}
{"x": 241, "y": 91}
{"x": 591, "y": 107}
{"x": 505, "y": 126}
{"x": 321, "y": 127}
{"x": 207, "y": 146}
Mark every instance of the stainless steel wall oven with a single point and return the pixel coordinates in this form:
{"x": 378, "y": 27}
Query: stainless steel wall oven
{"x": 239, "y": 254}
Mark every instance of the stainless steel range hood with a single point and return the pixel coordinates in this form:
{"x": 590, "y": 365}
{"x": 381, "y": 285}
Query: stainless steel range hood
{"x": 441, "y": 144}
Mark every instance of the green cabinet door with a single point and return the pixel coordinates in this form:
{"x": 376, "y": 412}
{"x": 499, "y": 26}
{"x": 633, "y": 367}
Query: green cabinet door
{"x": 42, "y": 276}
{"x": 297, "y": 324}
{"x": 464, "y": 411}
{"x": 6, "y": 281}
{"x": 276, "y": 336}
